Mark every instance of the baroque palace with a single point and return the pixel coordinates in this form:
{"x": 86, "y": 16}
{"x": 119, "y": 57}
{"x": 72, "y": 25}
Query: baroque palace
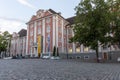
{"x": 45, "y": 30}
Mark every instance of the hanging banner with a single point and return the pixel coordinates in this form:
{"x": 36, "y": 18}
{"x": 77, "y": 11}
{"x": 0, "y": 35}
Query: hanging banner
{"x": 39, "y": 45}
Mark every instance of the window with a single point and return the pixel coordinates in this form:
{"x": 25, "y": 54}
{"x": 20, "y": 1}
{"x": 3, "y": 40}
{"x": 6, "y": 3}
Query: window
{"x": 60, "y": 21}
{"x": 48, "y": 29}
{"x": 70, "y": 50}
{"x": 59, "y": 29}
{"x": 31, "y": 42}
{"x": 48, "y": 20}
{"x": 86, "y": 49}
{"x": 31, "y": 33}
{"x": 59, "y": 49}
{"x": 65, "y": 49}
{"x": 78, "y": 57}
{"x": 39, "y": 30}
{"x": 86, "y": 57}
{"x": 59, "y": 38}
{"x": 31, "y": 26}
{"x": 105, "y": 47}
{"x": 39, "y": 23}
{"x": 69, "y": 31}
{"x": 77, "y": 48}
{"x": 64, "y": 31}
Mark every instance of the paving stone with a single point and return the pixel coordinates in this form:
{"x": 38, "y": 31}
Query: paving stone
{"x": 38, "y": 69}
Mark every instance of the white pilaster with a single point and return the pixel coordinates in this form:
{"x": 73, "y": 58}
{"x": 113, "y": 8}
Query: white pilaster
{"x": 35, "y": 32}
{"x": 27, "y": 41}
{"x": 54, "y": 31}
{"x": 43, "y": 32}
{"x": 18, "y": 47}
{"x": 35, "y": 36}
{"x": 14, "y": 42}
{"x": 81, "y": 48}
{"x": 74, "y": 47}
{"x": 23, "y": 40}
{"x": 62, "y": 35}
{"x": 67, "y": 39}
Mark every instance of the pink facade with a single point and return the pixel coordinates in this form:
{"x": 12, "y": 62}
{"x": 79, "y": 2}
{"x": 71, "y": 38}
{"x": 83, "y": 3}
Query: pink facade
{"x": 46, "y": 23}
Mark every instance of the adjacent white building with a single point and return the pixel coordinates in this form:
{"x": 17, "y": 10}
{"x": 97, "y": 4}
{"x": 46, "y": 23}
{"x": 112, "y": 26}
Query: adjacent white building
{"x": 18, "y": 43}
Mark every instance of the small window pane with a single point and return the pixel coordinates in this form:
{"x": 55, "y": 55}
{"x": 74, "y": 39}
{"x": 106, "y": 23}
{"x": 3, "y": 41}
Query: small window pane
{"x": 39, "y": 30}
{"x": 48, "y": 29}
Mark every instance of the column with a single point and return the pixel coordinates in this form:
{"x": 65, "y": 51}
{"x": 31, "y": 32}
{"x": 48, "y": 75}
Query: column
{"x": 23, "y": 40}
{"x": 74, "y": 47}
{"x": 43, "y": 33}
{"x": 27, "y": 41}
{"x": 82, "y": 47}
{"x": 62, "y": 35}
{"x": 54, "y": 25}
{"x": 35, "y": 37}
{"x": 56, "y": 31}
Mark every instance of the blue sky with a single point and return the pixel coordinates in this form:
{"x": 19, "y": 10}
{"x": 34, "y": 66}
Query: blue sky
{"x": 15, "y": 13}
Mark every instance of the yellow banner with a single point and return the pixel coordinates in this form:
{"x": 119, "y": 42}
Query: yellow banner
{"x": 39, "y": 45}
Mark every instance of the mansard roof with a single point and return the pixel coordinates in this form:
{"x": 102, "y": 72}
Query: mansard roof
{"x": 71, "y": 20}
{"x": 33, "y": 18}
{"x": 52, "y": 11}
{"x": 22, "y": 33}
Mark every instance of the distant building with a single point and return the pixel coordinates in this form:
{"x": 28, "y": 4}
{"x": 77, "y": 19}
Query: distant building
{"x": 18, "y": 43}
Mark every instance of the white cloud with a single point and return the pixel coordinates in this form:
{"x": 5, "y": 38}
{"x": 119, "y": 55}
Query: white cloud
{"x": 11, "y": 25}
{"x": 24, "y": 2}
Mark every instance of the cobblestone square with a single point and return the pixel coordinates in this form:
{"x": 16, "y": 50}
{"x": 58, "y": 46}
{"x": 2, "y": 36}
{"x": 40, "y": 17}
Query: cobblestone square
{"x": 38, "y": 69}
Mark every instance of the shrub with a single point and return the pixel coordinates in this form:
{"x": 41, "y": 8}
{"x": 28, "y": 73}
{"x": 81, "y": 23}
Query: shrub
{"x": 57, "y": 52}
{"x": 54, "y": 51}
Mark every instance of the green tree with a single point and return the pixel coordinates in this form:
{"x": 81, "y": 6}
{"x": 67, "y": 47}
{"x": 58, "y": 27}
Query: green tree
{"x": 115, "y": 23}
{"x": 5, "y": 38}
{"x": 92, "y": 24}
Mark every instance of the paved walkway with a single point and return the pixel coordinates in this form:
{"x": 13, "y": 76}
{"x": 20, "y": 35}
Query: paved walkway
{"x": 37, "y": 69}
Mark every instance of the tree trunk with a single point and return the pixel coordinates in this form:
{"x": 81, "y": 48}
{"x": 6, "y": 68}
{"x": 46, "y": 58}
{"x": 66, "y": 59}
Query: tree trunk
{"x": 97, "y": 55}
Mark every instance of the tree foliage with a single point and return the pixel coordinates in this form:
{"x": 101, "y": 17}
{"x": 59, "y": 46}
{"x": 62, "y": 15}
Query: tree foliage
{"x": 5, "y": 37}
{"x": 115, "y": 23}
{"x": 92, "y": 24}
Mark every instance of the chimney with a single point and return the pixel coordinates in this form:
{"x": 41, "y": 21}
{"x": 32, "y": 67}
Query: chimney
{"x": 59, "y": 13}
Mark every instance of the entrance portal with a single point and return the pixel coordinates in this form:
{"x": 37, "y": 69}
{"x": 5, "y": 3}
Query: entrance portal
{"x": 105, "y": 56}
